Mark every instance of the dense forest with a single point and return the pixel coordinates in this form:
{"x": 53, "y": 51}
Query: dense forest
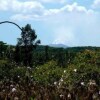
{"x": 41, "y": 72}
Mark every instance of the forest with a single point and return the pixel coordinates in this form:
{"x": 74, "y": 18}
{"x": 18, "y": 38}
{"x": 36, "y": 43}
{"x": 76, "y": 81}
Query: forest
{"x": 32, "y": 71}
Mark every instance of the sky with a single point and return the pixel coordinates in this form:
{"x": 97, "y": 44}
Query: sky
{"x": 69, "y": 22}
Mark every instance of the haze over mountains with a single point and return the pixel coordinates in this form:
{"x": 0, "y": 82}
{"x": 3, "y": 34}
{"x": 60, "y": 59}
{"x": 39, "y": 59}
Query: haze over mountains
{"x": 58, "y": 45}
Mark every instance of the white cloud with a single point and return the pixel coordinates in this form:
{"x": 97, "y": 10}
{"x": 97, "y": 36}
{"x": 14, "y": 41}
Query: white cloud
{"x": 4, "y": 5}
{"x": 74, "y": 7}
{"x": 69, "y": 8}
{"x": 21, "y": 17}
{"x": 21, "y": 7}
{"x": 25, "y": 6}
{"x": 53, "y": 1}
{"x": 80, "y": 25}
{"x": 43, "y": 13}
{"x": 96, "y": 4}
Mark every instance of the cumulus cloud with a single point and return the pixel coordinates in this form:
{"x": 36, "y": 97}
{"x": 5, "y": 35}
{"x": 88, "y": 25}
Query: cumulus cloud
{"x": 26, "y": 7}
{"x": 68, "y": 9}
{"x": 32, "y": 9}
{"x": 21, "y": 7}
{"x": 46, "y": 13}
{"x": 76, "y": 8}
{"x": 80, "y": 25}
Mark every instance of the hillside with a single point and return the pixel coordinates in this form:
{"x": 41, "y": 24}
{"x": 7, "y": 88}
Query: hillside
{"x": 52, "y": 71}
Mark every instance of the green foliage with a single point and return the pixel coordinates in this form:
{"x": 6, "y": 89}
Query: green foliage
{"x": 28, "y": 36}
{"x": 83, "y": 69}
{"x": 18, "y": 71}
{"x": 3, "y": 48}
{"x": 79, "y": 67}
{"x": 47, "y": 73}
{"x": 27, "y": 43}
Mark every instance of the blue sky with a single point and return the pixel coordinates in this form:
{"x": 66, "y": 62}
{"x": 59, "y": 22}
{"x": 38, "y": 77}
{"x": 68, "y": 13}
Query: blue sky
{"x": 71, "y": 22}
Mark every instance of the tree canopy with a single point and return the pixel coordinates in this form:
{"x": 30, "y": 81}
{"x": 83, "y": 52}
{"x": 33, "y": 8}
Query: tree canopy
{"x": 28, "y": 42}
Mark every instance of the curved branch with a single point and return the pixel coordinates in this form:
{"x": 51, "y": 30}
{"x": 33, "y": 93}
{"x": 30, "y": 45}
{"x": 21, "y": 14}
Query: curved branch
{"x": 11, "y": 23}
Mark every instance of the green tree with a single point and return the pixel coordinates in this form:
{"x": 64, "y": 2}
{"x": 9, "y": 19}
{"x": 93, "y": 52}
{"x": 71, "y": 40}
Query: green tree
{"x": 3, "y": 48}
{"x": 28, "y": 42}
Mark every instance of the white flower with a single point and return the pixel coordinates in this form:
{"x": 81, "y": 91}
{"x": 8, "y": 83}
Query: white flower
{"x": 61, "y": 95}
{"x": 16, "y": 98}
{"x": 64, "y": 71}
{"x": 37, "y": 68}
{"x": 69, "y": 95}
{"x": 13, "y": 89}
{"x": 75, "y": 70}
{"x": 82, "y": 83}
{"x": 59, "y": 84}
{"x": 95, "y": 96}
{"x": 3, "y": 90}
{"x": 55, "y": 83}
{"x": 11, "y": 85}
{"x": 28, "y": 67}
{"x": 61, "y": 80}
{"x": 92, "y": 82}
{"x": 2, "y": 52}
{"x": 18, "y": 76}
{"x": 99, "y": 92}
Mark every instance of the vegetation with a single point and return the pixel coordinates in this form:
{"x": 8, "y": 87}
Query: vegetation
{"x": 27, "y": 43}
{"x": 29, "y": 71}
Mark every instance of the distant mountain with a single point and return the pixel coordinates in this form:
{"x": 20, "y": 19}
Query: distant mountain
{"x": 58, "y": 45}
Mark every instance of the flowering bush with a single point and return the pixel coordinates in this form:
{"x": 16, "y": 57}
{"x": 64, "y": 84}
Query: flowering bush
{"x": 79, "y": 79}
{"x": 47, "y": 73}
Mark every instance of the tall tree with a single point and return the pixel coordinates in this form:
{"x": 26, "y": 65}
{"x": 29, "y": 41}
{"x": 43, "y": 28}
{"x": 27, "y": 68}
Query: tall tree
{"x": 28, "y": 42}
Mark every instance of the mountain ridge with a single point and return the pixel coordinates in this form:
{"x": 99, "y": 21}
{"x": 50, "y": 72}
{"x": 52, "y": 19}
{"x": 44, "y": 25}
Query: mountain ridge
{"x": 58, "y": 45}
